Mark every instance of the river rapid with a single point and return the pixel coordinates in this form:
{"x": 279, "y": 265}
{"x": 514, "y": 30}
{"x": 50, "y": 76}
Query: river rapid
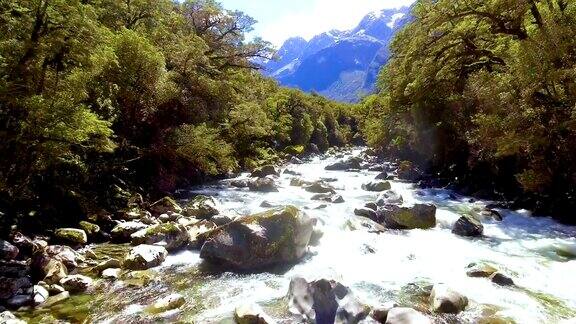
{"x": 537, "y": 253}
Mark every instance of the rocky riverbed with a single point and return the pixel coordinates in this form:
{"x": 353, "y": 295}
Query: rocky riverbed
{"x": 339, "y": 238}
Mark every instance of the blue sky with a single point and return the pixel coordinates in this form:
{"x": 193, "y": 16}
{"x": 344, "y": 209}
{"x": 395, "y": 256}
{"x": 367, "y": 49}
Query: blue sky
{"x": 281, "y": 19}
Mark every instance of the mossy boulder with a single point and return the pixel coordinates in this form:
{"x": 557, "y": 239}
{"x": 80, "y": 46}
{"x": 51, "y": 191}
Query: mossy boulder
{"x": 263, "y": 185}
{"x": 480, "y": 270}
{"x": 351, "y": 163}
{"x": 468, "y": 226}
{"x": 164, "y": 206}
{"x": 377, "y": 186}
{"x": 319, "y": 187}
{"x": 170, "y": 235}
{"x": 201, "y": 207}
{"x": 278, "y": 236}
{"x": 123, "y": 231}
{"x": 295, "y": 150}
{"x": 419, "y": 216}
{"x": 167, "y": 303}
{"x": 445, "y": 300}
{"x": 71, "y": 235}
{"x": 89, "y": 228}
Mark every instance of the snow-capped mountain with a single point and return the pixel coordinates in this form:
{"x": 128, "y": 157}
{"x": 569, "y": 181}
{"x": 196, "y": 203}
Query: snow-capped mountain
{"x": 342, "y": 65}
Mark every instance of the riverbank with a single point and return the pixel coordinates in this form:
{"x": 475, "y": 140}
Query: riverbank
{"x": 521, "y": 259}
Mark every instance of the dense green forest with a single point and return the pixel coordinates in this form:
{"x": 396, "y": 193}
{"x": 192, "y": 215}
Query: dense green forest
{"x": 101, "y": 99}
{"x": 484, "y": 92}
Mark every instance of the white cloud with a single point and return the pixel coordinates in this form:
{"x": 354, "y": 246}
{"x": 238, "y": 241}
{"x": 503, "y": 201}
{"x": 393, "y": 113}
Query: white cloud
{"x": 321, "y": 16}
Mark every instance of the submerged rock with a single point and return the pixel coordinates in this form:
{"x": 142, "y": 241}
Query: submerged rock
{"x": 480, "y": 270}
{"x": 71, "y": 235}
{"x": 404, "y": 315}
{"x": 257, "y": 241}
{"x": 377, "y": 186}
{"x": 170, "y": 235}
{"x": 467, "y": 226}
{"x": 501, "y": 280}
{"x": 363, "y": 223}
{"x": 263, "y": 185}
{"x": 143, "y": 257}
{"x": 201, "y": 207}
{"x": 351, "y": 163}
{"x": 418, "y": 216}
{"x": 328, "y": 197}
{"x": 320, "y": 187}
{"x": 251, "y": 314}
{"x": 167, "y": 303}
{"x": 446, "y": 300}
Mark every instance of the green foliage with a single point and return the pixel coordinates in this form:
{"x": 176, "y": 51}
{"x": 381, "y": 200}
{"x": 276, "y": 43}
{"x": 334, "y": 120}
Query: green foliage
{"x": 483, "y": 83}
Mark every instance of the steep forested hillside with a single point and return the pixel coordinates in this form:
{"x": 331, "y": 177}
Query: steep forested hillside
{"x": 101, "y": 99}
{"x": 484, "y": 93}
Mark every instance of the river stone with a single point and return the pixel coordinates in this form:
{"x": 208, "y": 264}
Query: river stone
{"x": 263, "y": 185}
{"x": 172, "y": 236}
{"x": 407, "y": 171}
{"x": 446, "y": 300}
{"x": 7, "y": 250}
{"x": 403, "y": 315}
{"x": 317, "y": 301}
{"x": 366, "y": 212}
{"x": 56, "y": 299}
{"x": 167, "y": 303}
{"x": 107, "y": 264}
{"x": 143, "y": 257}
{"x": 239, "y": 183}
{"x": 382, "y": 176}
{"x": 372, "y": 206}
{"x": 267, "y": 204}
{"x": 40, "y": 295}
{"x": 122, "y": 231}
{"x": 501, "y": 280}
{"x": 320, "y": 187}
{"x": 251, "y": 314}
{"x": 54, "y": 271}
{"x": 352, "y": 163}
{"x": 197, "y": 231}
{"x": 201, "y": 207}
{"x": 10, "y": 286}
{"x": 389, "y": 197}
{"x": 264, "y": 171}
{"x": 7, "y": 317}
{"x": 295, "y": 160}
{"x": 274, "y": 237}
{"x": 111, "y": 273}
{"x": 89, "y": 228}
{"x": 380, "y": 313}
{"x": 480, "y": 270}
{"x": 76, "y": 283}
{"x": 377, "y": 186}
{"x": 71, "y": 235}
{"x": 467, "y": 226}
{"x": 164, "y": 206}
{"x": 411, "y": 217}
{"x": 328, "y": 197}
{"x": 221, "y": 220}
{"x": 63, "y": 253}
{"x": 359, "y": 222}
{"x": 351, "y": 310}
{"x": 20, "y": 300}
{"x": 297, "y": 182}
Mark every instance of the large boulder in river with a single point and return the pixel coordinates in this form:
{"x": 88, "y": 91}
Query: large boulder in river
{"x": 446, "y": 300}
{"x": 257, "y": 241}
{"x": 201, "y": 207}
{"x": 263, "y": 185}
{"x": 144, "y": 257}
{"x": 164, "y": 206}
{"x": 403, "y": 315}
{"x": 420, "y": 216}
{"x": 468, "y": 226}
{"x": 170, "y": 235}
{"x": 7, "y": 250}
{"x": 377, "y": 186}
{"x": 265, "y": 171}
{"x": 71, "y": 235}
{"x": 351, "y": 163}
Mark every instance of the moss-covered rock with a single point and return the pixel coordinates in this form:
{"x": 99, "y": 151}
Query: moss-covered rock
{"x": 170, "y": 235}
{"x": 201, "y": 207}
{"x": 71, "y": 235}
{"x": 144, "y": 257}
{"x": 445, "y": 300}
{"x": 409, "y": 217}
{"x": 263, "y": 185}
{"x": 167, "y": 303}
{"x": 274, "y": 237}
{"x": 164, "y": 206}
{"x": 377, "y": 186}
{"x": 319, "y": 187}
{"x": 123, "y": 231}
{"x": 89, "y": 228}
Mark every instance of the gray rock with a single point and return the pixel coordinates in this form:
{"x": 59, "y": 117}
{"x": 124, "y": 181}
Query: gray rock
{"x": 317, "y": 301}
{"x": 164, "y": 206}
{"x": 11, "y": 286}
{"x": 41, "y": 294}
{"x": 263, "y": 185}
{"x": 108, "y": 264}
{"x": 366, "y": 212}
{"x": 352, "y": 163}
{"x": 8, "y": 318}
{"x": 18, "y": 301}
{"x": 7, "y": 250}
{"x": 389, "y": 197}
{"x": 274, "y": 237}
{"x": 144, "y": 257}
{"x": 264, "y": 171}
{"x": 467, "y": 226}
{"x": 320, "y": 187}
{"x": 372, "y": 206}
{"x": 402, "y": 315}
{"x": 501, "y": 280}
{"x": 197, "y": 231}
{"x": 122, "y": 231}
{"x": 56, "y": 299}
{"x": 480, "y": 270}
{"x": 239, "y": 183}
{"x": 446, "y": 300}
{"x": 351, "y": 311}
{"x": 363, "y": 223}
{"x": 201, "y": 207}
{"x": 167, "y": 303}
{"x": 251, "y": 314}
{"x": 328, "y": 197}
{"x": 111, "y": 273}
{"x": 65, "y": 254}
{"x": 382, "y": 176}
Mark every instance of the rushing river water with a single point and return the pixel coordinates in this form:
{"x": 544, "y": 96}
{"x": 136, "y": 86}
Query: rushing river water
{"x": 537, "y": 253}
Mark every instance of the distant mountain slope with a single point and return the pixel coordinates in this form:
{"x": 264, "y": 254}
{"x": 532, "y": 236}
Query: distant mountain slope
{"x": 342, "y": 65}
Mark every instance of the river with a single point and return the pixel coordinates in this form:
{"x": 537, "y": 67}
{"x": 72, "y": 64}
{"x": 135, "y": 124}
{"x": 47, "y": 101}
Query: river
{"x": 537, "y": 253}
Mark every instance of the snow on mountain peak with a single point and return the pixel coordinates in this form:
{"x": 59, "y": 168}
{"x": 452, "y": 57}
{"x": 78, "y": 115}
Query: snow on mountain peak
{"x": 394, "y": 19}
